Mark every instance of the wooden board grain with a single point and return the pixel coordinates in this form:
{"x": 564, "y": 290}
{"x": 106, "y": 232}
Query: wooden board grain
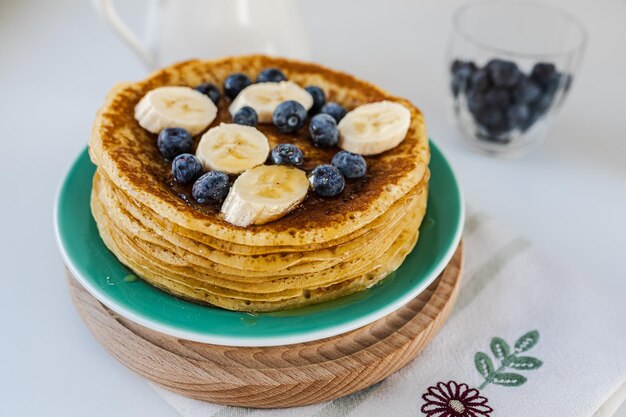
{"x": 278, "y": 376}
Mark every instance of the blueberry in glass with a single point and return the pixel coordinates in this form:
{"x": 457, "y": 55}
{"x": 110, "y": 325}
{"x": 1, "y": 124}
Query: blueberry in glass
{"x": 503, "y": 73}
{"x": 502, "y": 98}
{"x": 544, "y": 73}
{"x": 518, "y": 115}
{"x": 462, "y": 71}
{"x": 527, "y": 91}
{"x": 479, "y": 81}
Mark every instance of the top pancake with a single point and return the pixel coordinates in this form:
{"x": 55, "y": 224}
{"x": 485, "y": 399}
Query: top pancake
{"x": 129, "y": 156}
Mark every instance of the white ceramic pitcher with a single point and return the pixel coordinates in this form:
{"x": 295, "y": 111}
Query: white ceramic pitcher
{"x": 183, "y": 29}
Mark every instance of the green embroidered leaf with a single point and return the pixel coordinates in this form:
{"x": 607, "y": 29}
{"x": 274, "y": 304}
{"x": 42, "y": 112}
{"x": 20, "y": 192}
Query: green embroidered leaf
{"x": 525, "y": 363}
{"x": 508, "y": 379}
{"x": 500, "y": 348}
{"x": 483, "y": 364}
{"x": 527, "y": 341}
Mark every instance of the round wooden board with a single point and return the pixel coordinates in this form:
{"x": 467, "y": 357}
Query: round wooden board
{"x": 278, "y": 376}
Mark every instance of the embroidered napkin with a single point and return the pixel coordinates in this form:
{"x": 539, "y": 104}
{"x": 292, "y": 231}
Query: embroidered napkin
{"x": 525, "y": 339}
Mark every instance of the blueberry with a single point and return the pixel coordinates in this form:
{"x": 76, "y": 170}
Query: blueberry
{"x": 527, "y": 91}
{"x": 533, "y": 116}
{"x": 350, "y": 164}
{"x": 567, "y": 82}
{"x": 335, "y": 110}
{"x": 499, "y": 128}
{"x": 483, "y": 94}
{"x": 552, "y": 85}
{"x": 475, "y": 101}
{"x": 271, "y": 75}
{"x": 234, "y": 83}
{"x": 327, "y": 181}
{"x": 493, "y": 120}
{"x": 456, "y": 64}
{"x": 459, "y": 64}
{"x": 543, "y": 103}
{"x": 246, "y": 116}
{"x": 211, "y": 91}
{"x": 494, "y": 136}
{"x": 489, "y": 116}
{"x": 497, "y": 97}
{"x": 319, "y": 98}
{"x": 548, "y": 78}
{"x": 503, "y": 73}
{"x": 458, "y": 84}
{"x": 186, "y": 168}
{"x": 212, "y": 186}
{"x": 323, "y": 130}
{"x": 479, "y": 81}
{"x": 289, "y": 116}
{"x": 461, "y": 74}
{"x": 497, "y": 134}
{"x": 544, "y": 73}
{"x": 518, "y": 115}
{"x": 286, "y": 154}
{"x": 173, "y": 141}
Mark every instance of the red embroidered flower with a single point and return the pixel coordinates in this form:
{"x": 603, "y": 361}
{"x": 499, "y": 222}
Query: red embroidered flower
{"x": 454, "y": 400}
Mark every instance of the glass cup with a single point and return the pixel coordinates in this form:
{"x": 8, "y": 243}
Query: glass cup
{"x": 511, "y": 65}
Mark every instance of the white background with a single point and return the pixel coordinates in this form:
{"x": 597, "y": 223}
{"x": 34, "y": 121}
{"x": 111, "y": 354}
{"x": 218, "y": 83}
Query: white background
{"x": 57, "y": 61}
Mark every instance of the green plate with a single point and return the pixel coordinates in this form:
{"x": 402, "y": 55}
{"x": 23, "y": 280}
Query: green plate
{"x": 110, "y": 282}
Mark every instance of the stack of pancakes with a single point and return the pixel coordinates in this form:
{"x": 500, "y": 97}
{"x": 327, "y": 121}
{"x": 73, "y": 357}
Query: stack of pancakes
{"x": 324, "y": 249}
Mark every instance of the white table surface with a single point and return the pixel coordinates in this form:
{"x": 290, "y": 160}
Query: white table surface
{"x": 57, "y": 61}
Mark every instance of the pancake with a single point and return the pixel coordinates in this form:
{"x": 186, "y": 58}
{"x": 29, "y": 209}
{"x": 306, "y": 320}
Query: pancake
{"x": 324, "y": 249}
{"x": 178, "y": 259}
{"x": 129, "y": 217}
{"x": 159, "y": 261}
{"x": 196, "y": 290}
{"x": 154, "y": 221}
{"x": 127, "y": 153}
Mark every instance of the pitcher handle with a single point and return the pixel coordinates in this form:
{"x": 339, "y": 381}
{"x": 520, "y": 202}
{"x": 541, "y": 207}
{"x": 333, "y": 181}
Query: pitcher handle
{"x": 106, "y": 9}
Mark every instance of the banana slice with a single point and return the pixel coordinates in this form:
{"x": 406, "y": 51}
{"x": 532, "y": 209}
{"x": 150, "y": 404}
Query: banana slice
{"x": 175, "y": 107}
{"x": 264, "y": 97}
{"x": 374, "y": 128}
{"x": 263, "y": 194}
{"x": 232, "y": 148}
